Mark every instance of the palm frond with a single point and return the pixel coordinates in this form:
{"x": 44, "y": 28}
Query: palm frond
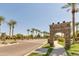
{"x": 67, "y": 5}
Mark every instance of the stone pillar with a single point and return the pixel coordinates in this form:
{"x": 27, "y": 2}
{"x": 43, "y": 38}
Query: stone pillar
{"x": 67, "y": 41}
{"x": 51, "y": 40}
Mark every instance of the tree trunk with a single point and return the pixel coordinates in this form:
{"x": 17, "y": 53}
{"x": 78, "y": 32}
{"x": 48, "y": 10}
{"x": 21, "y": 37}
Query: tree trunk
{"x": 10, "y": 31}
{"x": 32, "y": 34}
{"x": 28, "y": 33}
{"x": 73, "y": 21}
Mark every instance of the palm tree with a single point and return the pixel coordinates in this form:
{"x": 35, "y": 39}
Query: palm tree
{"x": 1, "y": 20}
{"x": 33, "y": 30}
{"x": 28, "y": 30}
{"x": 73, "y": 10}
{"x": 44, "y": 33}
{"x": 36, "y": 30}
{"x": 31, "y": 34}
{"x": 41, "y": 33}
{"x": 11, "y": 24}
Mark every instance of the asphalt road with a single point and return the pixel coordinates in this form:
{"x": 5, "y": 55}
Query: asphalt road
{"x": 24, "y": 47}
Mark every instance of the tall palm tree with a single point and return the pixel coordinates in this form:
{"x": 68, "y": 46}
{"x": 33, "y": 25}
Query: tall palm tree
{"x": 28, "y": 30}
{"x": 1, "y": 20}
{"x": 11, "y": 24}
{"x": 73, "y": 10}
{"x": 31, "y": 34}
{"x": 36, "y": 30}
{"x": 41, "y": 33}
{"x": 37, "y": 33}
{"x": 33, "y": 30}
{"x": 44, "y": 33}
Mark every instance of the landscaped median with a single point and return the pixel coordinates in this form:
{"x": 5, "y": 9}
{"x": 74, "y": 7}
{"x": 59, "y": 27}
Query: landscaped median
{"x": 74, "y": 50}
{"x": 44, "y": 51}
{"x": 7, "y": 42}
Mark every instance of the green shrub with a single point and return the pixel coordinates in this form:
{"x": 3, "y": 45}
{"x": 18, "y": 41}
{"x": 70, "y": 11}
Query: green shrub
{"x": 49, "y": 51}
{"x": 4, "y": 42}
{"x": 46, "y": 46}
{"x": 12, "y": 42}
{"x": 61, "y": 39}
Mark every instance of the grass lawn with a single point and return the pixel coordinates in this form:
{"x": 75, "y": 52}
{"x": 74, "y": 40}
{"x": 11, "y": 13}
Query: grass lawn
{"x": 46, "y": 46}
{"x": 74, "y": 50}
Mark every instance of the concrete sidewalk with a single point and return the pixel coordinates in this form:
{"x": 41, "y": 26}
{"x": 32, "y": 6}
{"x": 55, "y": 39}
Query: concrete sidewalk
{"x": 58, "y": 50}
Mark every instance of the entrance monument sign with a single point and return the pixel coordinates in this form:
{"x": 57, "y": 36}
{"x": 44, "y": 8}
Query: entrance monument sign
{"x": 63, "y": 27}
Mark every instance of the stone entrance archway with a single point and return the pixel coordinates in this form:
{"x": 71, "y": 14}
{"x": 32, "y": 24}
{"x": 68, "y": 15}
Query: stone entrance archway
{"x": 65, "y": 28}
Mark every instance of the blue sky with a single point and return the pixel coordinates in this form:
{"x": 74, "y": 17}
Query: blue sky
{"x": 32, "y": 15}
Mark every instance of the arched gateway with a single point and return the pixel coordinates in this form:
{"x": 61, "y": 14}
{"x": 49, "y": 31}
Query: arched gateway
{"x": 65, "y": 28}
